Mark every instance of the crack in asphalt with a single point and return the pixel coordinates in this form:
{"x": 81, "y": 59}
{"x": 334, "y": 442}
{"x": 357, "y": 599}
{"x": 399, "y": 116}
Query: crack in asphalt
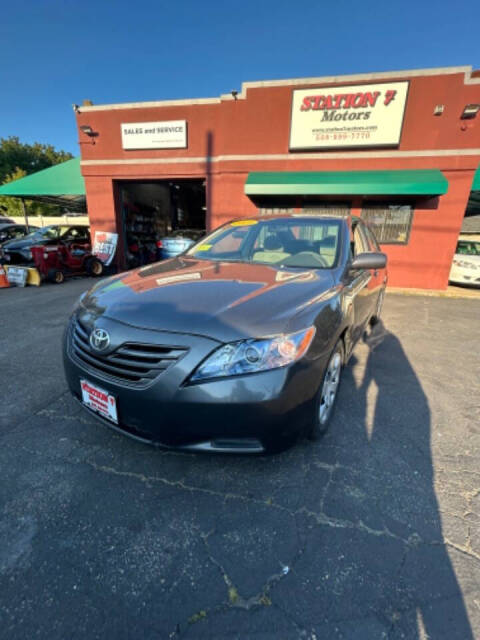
{"x": 21, "y": 421}
{"x": 234, "y": 599}
{"x": 320, "y": 518}
{"x": 465, "y": 549}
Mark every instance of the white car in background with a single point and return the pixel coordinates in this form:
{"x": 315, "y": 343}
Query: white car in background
{"x": 466, "y": 263}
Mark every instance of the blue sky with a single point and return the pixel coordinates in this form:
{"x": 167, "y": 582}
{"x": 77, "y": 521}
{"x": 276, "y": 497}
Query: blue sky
{"x": 56, "y": 52}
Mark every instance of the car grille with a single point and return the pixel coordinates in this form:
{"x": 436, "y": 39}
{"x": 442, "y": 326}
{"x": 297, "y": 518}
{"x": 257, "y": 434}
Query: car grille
{"x": 132, "y": 363}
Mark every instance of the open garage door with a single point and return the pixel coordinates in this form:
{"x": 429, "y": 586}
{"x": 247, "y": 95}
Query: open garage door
{"x": 152, "y": 210}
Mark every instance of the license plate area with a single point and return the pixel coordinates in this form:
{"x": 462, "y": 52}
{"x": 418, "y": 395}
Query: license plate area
{"x": 99, "y": 400}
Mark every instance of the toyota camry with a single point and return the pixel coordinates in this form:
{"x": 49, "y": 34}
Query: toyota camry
{"x": 236, "y": 345}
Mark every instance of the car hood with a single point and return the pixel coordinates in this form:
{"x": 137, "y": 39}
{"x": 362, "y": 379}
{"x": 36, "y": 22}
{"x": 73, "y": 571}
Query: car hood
{"x": 23, "y": 243}
{"x": 222, "y": 300}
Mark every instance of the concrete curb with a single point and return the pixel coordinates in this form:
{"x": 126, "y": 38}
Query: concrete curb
{"x": 450, "y": 292}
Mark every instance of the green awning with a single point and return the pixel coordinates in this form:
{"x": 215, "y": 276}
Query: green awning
{"x": 61, "y": 184}
{"x": 424, "y": 182}
{"x": 476, "y": 180}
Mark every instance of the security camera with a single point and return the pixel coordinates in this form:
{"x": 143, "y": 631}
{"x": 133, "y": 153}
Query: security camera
{"x": 76, "y": 108}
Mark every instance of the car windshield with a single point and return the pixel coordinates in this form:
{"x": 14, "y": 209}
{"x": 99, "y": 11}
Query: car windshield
{"x": 49, "y": 233}
{"x": 468, "y": 248}
{"x": 309, "y": 243}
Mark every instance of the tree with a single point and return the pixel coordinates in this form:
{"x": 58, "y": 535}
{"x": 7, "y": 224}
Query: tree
{"x": 13, "y": 205}
{"x": 19, "y": 159}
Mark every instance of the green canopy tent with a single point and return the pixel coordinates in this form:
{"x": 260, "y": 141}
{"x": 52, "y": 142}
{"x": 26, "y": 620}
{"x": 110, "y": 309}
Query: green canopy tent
{"x": 62, "y": 184}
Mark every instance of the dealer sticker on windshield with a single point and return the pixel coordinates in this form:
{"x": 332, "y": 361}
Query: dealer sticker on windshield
{"x": 243, "y": 223}
{"x": 99, "y": 400}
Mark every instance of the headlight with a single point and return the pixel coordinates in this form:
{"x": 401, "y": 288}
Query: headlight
{"x": 250, "y": 356}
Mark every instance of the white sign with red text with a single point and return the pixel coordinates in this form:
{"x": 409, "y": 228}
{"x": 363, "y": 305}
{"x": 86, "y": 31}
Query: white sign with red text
{"x": 368, "y": 115}
{"x": 99, "y": 400}
{"x": 104, "y": 246}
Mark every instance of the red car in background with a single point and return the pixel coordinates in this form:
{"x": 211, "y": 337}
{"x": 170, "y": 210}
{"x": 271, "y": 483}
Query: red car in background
{"x": 19, "y": 250}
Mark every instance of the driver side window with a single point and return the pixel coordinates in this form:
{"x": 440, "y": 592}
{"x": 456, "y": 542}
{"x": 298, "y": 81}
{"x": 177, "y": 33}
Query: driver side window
{"x": 17, "y": 232}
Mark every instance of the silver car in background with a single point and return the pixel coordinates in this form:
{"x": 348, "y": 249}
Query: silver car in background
{"x": 177, "y": 242}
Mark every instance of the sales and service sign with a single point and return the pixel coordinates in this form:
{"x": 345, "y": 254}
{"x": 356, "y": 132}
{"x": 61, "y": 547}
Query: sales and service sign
{"x": 171, "y": 134}
{"x": 355, "y": 116}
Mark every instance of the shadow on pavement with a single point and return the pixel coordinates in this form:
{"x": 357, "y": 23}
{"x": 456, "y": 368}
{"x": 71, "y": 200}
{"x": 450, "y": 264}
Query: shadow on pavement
{"x": 400, "y": 572}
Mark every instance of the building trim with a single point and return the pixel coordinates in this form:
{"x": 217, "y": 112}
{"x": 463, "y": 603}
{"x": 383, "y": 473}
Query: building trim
{"x": 285, "y": 156}
{"x": 359, "y": 77}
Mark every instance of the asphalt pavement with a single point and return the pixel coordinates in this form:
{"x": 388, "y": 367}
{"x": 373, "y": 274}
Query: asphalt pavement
{"x": 371, "y": 533}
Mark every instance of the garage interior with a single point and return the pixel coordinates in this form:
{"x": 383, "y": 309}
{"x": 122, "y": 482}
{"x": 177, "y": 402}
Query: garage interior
{"x": 151, "y": 210}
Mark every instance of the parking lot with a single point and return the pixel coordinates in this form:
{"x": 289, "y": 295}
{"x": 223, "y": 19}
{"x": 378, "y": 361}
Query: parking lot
{"x": 371, "y": 533}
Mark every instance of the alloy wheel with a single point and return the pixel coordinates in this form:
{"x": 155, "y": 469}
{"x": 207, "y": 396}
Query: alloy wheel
{"x": 330, "y": 387}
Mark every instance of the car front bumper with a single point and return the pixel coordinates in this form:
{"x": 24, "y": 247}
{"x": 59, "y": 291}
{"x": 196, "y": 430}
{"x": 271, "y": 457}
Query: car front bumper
{"x": 466, "y": 279}
{"x": 256, "y": 412}
{"x": 16, "y": 258}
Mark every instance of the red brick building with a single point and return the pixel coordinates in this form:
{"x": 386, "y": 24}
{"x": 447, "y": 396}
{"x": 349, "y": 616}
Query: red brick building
{"x": 294, "y": 144}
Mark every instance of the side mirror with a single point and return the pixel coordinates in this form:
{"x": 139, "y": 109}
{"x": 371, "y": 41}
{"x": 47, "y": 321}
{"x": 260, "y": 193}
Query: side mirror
{"x": 369, "y": 261}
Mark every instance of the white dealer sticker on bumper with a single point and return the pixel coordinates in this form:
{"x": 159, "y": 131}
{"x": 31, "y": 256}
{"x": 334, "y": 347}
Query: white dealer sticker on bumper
{"x": 99, "y": 400}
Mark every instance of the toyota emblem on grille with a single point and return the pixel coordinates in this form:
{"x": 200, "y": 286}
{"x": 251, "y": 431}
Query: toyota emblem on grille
{"x": 99, "y": 339}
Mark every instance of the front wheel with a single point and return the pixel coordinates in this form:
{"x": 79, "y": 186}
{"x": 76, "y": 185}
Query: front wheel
{"x": 327, "y": 393}
{"x": 94, "y": 267}
{"x": 56, "y": 276}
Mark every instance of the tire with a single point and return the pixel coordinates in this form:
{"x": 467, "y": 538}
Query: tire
{"x": 94, "y": 267}
{"x": 375, "y": 319}
{"x": 56, "y": 276}
{"x": 328, "y": 389}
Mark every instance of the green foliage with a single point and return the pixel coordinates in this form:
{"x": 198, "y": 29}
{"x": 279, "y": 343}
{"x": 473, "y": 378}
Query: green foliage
{"x": 30, "y": 158}
{"x": 13, "y": 205}
{"x": 17, "y": 160}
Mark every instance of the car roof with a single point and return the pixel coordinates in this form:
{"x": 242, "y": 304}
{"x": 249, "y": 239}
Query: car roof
{"x": 66, "y": 226}
{"x": 296, "y": 216}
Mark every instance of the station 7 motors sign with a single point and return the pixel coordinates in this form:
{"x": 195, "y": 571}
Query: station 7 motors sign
{"x": 354, "y": 116}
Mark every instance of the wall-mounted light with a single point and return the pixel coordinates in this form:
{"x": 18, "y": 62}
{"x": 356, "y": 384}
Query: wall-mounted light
{"x": 88, "y": 131}
{"x": 234, "y": 94}
{"x": 470, "y": 111}
{"x": 439, "y": 109}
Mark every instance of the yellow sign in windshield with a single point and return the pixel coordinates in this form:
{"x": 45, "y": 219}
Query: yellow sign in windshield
{"x": 243, "y": 223}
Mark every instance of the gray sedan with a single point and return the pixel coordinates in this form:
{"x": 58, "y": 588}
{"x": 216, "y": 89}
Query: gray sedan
{"x": 237, "y": 344}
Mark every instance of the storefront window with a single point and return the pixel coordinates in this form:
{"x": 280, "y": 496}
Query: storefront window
{"x": 391, "y": 224}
